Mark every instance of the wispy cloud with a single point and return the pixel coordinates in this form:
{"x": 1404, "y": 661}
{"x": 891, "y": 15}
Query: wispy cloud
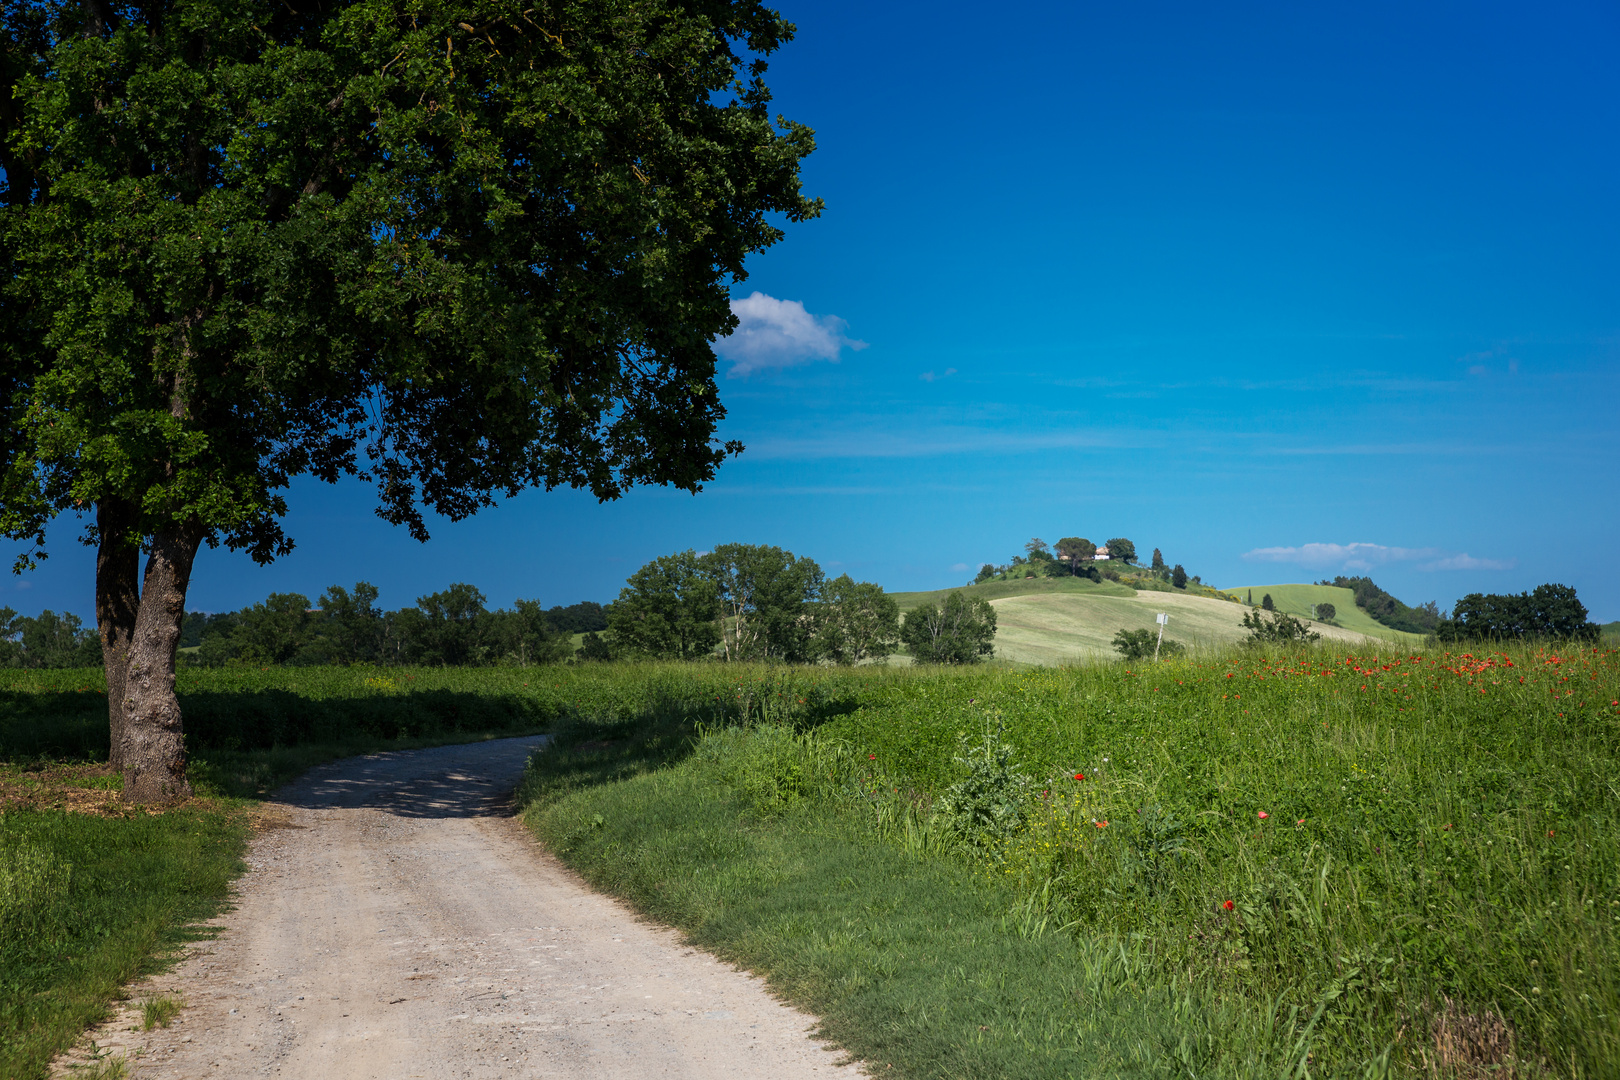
{"x": 774, "y": 333}
{"x": 929, "y": 376}
{"x": 932, "y": 442}
{"x": 1465, "y": 561}
{"x": 1364, "y": 556}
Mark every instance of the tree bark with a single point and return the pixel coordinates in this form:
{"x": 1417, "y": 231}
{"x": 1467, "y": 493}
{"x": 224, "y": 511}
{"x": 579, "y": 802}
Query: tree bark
{"x": 118, "y": 566}
{"x": 154, "y": 743}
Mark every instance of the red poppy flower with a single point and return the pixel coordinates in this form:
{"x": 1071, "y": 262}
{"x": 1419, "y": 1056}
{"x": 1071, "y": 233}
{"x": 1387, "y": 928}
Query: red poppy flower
{"x": 871, "y": 757}
{"x": 1264, "y": 815}
{"x": 1227, "y": 905}
{"x": 1079, "y": 776}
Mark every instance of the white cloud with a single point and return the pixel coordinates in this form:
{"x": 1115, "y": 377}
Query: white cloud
{"x": 1352, "y": 556}
{"x": 1364, "y": 557}
{"x": 774, "y": 333}
{"x": 929, "y": 376}
{"x": 957, "y": 568}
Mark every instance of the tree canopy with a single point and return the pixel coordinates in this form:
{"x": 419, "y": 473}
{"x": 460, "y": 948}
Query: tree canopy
{"x": 1550, "y": 611}
{"x": 955, "y": 630}
{"x": 1121, "y": 549}
{"x": 452, "y": 250}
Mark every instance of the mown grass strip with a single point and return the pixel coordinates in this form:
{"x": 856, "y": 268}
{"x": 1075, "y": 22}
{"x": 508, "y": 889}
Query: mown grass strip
{"x": 909, "y": 962}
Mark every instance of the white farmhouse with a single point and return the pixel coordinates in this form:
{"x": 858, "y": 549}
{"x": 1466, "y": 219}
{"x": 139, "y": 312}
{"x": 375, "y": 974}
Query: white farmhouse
{"x": 1102, "y": 554}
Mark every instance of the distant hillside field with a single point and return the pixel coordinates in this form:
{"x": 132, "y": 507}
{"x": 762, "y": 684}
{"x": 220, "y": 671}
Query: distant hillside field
{"x": 1064, "y": 620}
{"x": 1301, "y": 600}
{"x": 997, "y": 590}
{"x": 1063, "y": 629}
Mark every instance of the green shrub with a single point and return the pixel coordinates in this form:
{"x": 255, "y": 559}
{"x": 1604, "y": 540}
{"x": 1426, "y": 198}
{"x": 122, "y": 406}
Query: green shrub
{"x": 988, "y": 803}
{"x": 1269, "y": 627}
{"x": 1144, "y": 644}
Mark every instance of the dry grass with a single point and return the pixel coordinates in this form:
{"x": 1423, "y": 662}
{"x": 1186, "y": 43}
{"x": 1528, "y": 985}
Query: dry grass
{"x": 78, "y": 788}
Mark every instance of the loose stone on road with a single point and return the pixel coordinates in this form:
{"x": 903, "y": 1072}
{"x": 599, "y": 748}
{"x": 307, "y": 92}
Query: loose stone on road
{"x": 399, "y": 922}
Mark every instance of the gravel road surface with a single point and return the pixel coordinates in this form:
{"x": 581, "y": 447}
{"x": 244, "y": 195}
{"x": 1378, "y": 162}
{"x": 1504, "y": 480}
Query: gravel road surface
{"x": 398, "y": 922}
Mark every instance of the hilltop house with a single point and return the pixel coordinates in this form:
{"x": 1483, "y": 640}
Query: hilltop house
{"x": 1102, "y": 554}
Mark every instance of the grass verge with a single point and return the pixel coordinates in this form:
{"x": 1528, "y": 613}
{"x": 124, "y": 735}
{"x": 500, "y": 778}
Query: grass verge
{"x": 88, "y": 903}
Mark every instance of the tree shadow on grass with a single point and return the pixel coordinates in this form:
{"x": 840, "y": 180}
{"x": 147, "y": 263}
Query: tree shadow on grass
{"x": 590, "y": 751}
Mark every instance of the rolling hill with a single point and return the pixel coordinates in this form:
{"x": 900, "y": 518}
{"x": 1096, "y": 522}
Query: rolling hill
{"x": 1301, "y": 601}
{"x": 1064, "y": 620}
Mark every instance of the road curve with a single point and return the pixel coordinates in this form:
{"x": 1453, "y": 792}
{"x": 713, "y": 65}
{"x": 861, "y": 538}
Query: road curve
{"x": 401, "y": 923}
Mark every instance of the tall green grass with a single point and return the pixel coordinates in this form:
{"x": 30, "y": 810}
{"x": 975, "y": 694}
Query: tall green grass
{"x": 1414, "y": 857}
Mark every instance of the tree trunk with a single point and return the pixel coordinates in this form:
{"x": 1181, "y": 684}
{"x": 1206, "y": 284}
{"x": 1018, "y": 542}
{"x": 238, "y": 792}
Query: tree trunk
{"x": 118, "y": 566}
{"x": 154, "y": 746}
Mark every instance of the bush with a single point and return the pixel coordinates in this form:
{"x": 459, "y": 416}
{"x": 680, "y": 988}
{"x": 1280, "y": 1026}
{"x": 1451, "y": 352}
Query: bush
{"x": 987, "y": 804}
{"x": 1141, "y": 644}
{"x": 1275, "y": 627}
{"x": 1326, "y": 613}
{"x": 594, "y": 647}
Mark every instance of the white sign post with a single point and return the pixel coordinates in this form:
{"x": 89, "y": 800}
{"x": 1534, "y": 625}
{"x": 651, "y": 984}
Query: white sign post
{"x": 1163, "y": 618}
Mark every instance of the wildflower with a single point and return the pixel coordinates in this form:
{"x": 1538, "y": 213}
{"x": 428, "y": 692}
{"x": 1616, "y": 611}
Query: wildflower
{"x": 1301, "y": 821}
{"x": 1264, "y": 815}
{"x": 1102, "y": 824}
{"x": 871, "y": 757}
{"x": 1227, "y": 905}
{"x": 1551, "y": 831}
{"x": 1079, "y": 776}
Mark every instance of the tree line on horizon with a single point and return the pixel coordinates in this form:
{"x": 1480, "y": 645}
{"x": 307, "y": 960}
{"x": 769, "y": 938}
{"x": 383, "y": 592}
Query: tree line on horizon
{"x": 738, "y": 602}
{"x": 760, "y": 602}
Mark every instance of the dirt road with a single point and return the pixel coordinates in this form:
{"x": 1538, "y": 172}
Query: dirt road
{"x": 402, "y": 924}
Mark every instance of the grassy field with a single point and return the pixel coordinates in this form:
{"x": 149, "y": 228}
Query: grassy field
{"x": 1050, "y": 621}
{"x": 1240, "y": 864}
{"x": 1272, "y": 864}
{"x": 1066, "y": 629}
{"x": 1301, "y": 601}
{"x": 999, "y": 590}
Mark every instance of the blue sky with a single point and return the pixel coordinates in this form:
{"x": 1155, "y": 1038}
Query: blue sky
{"x": 1250, "y": 284}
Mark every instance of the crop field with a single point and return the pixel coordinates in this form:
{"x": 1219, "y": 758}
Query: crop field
{"x": 1301, "y": 601}
{"x": 1065, "y": 629}
{"x": 1035, "y": 586}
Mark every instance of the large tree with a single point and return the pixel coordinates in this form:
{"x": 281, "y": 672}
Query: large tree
{"x": 954, "y": 630}
{"x": 668, "y": 609}
{"x": 857, "y": 621}
{"x": 1076, "y": 552}
{"x": 454, "y": 250}
{"x": 765, "y": 597}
